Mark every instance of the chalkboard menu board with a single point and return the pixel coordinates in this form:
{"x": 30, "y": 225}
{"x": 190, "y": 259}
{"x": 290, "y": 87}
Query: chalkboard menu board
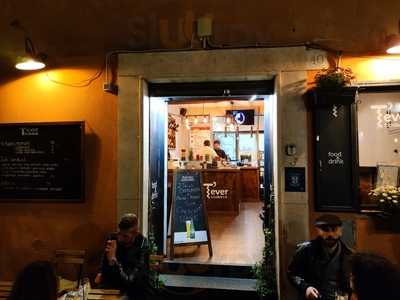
{"x": 189, "y": 216}
{"x": 41, "y": 162}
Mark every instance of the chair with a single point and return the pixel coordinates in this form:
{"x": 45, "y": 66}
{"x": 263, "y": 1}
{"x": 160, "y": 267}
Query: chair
{"x": 70, "y": 257}
{"x": 5, "y": 289}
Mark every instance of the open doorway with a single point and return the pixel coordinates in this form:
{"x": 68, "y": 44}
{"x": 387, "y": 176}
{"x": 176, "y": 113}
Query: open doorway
{"x": 233, "y": 131}
{"x": 180, "y": 127}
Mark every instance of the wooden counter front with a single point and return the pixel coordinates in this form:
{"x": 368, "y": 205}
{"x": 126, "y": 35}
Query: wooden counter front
{"x": 225, "y": 189}
{"x": 250, "y": 182}
{"x": 222, "y": 190}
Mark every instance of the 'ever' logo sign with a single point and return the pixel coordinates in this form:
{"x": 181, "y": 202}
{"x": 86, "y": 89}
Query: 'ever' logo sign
{"x": 213, "y": 193}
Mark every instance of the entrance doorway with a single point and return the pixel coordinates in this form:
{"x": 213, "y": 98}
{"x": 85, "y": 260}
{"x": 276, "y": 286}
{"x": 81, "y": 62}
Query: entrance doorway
{"x": 239, "y": 117}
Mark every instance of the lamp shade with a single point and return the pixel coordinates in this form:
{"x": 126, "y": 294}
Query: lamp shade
{"x": 29, "y": 64}
{"x": 393, "y": 44}
{"x": 31, "y": 61}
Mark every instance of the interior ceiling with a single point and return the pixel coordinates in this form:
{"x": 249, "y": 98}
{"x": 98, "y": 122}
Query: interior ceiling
{"x": 68, "y": 28}
{"x": 222, "y": 104}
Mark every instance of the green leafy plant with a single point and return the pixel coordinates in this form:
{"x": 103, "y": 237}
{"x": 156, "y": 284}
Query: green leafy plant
{"x": 334, "y": 78}
{"x": 265, "y": 270}
{"x": 154, "y": 274}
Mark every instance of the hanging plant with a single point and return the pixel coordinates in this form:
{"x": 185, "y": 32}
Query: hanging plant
{"x": 334, "y": 78}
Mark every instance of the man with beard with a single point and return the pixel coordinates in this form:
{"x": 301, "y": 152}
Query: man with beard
{"x": 320, "y": 268}
{"x": 125, "y": 260}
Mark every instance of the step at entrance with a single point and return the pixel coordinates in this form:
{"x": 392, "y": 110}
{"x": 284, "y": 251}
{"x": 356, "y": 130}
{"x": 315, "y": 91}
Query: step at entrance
{"x": 209, "y": 282}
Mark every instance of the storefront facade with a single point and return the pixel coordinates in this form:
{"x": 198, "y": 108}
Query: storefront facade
{"x": 287, "y": 66}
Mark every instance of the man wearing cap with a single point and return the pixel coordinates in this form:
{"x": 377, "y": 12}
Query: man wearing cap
{"x": 125, "y": 261}
{"x": 320, "y": 268}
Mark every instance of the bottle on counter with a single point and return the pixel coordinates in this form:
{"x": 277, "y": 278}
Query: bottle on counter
{"x": 183, "y": 154}
{"x": 192, "y": 230}
{"x": 191, "y": 154}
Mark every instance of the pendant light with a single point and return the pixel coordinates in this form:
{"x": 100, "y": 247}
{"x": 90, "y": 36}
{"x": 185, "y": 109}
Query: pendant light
{"x": 205, "y": 119}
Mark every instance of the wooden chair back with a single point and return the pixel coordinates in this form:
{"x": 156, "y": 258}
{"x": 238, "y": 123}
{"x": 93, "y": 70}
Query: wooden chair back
{"x": 70, "y": 257}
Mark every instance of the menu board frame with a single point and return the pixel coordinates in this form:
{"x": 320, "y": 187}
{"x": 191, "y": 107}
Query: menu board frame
{"x": 206, "y": 224}
{"x": 59, "y": 199}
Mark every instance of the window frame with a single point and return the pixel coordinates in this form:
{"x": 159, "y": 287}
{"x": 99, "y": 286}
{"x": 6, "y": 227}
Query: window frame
{"x": 372, "y": 88}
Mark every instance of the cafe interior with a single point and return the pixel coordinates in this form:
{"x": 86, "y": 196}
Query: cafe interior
{"x": 238, "y": 126}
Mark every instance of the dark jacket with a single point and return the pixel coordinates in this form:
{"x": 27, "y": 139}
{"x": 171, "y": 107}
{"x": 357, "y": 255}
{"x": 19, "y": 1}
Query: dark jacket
{"x": 221, "y": 153}
{"x": 131, "y": 271}
{"x": 309, "y": 263}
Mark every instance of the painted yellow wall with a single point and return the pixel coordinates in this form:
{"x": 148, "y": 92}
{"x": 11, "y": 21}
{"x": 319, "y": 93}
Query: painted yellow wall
{"x": 32, "y": 231}
{"x": 374, "y": 68}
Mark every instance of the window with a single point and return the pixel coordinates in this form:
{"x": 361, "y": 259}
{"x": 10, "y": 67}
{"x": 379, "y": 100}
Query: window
{"x": 378, "y": 117}
{"x": 228, "y": 143}
{"x": 248, "y": 146}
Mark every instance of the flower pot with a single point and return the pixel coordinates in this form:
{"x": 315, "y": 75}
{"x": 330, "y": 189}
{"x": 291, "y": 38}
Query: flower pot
{"x": 388, "y": 221}
{"x": 326, "y": 97}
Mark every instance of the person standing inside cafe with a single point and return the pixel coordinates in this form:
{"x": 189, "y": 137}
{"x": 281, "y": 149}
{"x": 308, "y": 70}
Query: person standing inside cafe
{"x": 207, "y": 152}
{"x": 217, "y": 148}
{"x": 320, "y": 268}
{"x": 125, "y": 261}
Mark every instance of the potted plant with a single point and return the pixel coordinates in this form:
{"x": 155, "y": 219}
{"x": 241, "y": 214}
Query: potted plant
{"x": 334, "y": 79}
{"x": 387, "y": 198}
{"x": 332, "y": 87}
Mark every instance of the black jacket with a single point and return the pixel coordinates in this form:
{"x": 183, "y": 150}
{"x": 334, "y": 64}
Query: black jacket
{"x": 308, "y": 265}
{"x": 132, "y": 268}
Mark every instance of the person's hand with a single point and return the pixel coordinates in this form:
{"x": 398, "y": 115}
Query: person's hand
{"x": 111, "y": 250}
{"x": 312, "y": 293}
{"x": 98, "y": 278}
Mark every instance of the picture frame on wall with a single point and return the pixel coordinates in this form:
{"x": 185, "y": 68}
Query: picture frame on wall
{"x": 387, "y": 175}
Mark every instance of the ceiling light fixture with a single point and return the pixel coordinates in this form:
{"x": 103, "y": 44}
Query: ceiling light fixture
{"x": 393, "y": 42}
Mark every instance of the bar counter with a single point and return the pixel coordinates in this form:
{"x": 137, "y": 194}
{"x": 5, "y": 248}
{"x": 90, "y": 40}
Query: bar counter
{"x": 226, "y": 188}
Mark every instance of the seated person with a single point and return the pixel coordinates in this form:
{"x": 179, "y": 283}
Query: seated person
{"x": 36, "y": 281}
{"x": 125, "y": 261}
{"x": 319, "y": 268}
{"x": 374, "y": 277}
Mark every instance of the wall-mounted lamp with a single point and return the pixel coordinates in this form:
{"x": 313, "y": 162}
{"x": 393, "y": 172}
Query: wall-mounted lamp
{"x": 31, "y": 60}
